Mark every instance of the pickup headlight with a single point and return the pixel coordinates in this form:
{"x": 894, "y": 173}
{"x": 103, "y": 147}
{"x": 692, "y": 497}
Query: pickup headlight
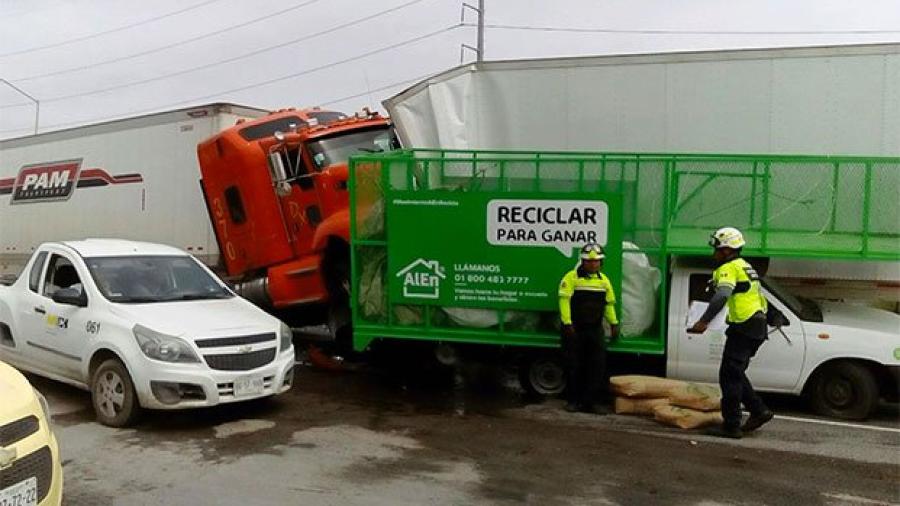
{"x": 162, "y": 347}
{"x": 287, "y": 336}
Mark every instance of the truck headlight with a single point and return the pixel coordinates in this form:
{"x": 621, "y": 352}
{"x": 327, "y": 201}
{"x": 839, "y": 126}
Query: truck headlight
{"x": 162, "y": 347}
{"x": 287, "y": 336}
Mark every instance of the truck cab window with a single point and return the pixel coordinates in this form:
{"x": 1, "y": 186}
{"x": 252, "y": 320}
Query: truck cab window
{"x": 235, "y": 205}
{"x": 699, "y": 288}
{"x": 34, "y": 277}
{"x": 60, "y": 274}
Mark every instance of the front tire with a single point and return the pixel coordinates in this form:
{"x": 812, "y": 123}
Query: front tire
{"x": 113, "y": 395}
{"x": 845, "y": 390}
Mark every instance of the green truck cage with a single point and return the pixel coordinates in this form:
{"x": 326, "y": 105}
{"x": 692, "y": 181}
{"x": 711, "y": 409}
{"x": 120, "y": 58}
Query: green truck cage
{"x": 816, "y": 207}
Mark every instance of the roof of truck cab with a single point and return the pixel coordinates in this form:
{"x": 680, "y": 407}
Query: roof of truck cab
{"x": 119, "y": 247}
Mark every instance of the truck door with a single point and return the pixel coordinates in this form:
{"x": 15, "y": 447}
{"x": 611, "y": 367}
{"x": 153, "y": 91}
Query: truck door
{"x": 698, "y": 355}
{"x": 32, "y": 315}
{"x": 777, "y": 364}
{"x": 65, "y": 336}
{"x": 302, "y": 210}
{"x": 779, "y": 361}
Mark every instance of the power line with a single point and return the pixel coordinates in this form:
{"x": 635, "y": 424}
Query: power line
{"x": 226, "y": 60}
{"x": 167, "y": 46}
{"x": 686, "y": 32}
{"x": 258, "y": 84}
{"x": 107, "y": 32}
{"x": 385, "y": 87}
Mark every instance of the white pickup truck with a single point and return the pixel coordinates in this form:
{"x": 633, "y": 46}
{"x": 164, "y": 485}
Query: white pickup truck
{"x": 843, "y": 357}
{"x": 140, "y": 325}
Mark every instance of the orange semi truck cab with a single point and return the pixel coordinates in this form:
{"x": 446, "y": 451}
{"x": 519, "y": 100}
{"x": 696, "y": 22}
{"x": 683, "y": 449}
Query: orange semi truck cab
{"x": 276, "y": 191}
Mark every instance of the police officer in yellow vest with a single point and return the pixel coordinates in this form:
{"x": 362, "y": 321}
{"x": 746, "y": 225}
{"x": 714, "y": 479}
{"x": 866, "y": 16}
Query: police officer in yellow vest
{"x": 737, "y": 284}
{"x": 585, "y": 297}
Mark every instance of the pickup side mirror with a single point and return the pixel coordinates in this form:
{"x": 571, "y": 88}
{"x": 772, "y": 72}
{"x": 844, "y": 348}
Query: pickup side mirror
{"x": 71, "y": 297}
{"x": 775, "y": 318}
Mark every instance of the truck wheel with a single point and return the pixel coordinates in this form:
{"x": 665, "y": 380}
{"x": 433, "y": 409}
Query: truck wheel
{"x": 112, "y": 392}
{"x": 543, "y": 374}
{"x": 845, "y": 390}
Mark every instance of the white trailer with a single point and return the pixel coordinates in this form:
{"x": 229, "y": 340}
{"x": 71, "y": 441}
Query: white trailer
{"x": 135, "y": 178}
{"x": 842, "y": 100}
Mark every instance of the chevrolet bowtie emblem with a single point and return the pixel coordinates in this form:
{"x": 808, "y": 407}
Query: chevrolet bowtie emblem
{"x": 245, "y": 349}
{"x": 7, "y": 457}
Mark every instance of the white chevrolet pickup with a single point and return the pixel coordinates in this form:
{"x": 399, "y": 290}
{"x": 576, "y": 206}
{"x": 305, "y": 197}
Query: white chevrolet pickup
{"x": 140, "y": 325}
{"x": 842, "y": 357}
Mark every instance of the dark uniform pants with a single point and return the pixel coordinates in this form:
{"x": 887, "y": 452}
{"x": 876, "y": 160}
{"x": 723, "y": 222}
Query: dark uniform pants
{"x": 585, "y": 354}
{"x": 744, "y": 339}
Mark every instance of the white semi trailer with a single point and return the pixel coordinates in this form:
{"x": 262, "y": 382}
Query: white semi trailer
{"x": 136, "y": 178}
{"x": 842, "y": 100}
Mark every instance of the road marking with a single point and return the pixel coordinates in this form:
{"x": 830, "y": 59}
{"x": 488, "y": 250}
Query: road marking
{"x": 845, "y": 498}
{"x": 838, "y": 424}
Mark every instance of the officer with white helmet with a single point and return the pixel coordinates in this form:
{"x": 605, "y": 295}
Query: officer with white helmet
{"x": 585, "y": 297}
{"x": 737, "y": 284}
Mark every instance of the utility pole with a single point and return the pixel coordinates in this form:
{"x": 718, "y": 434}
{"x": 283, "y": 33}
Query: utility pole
{"x": 37, "y": 103}
{"x": 479, "y": 48}
{"x": 480, "y": 31}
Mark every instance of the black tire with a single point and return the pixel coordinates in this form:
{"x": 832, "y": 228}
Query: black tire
{"x": 845, "y": 390}
{"x": 543, "y": 374}
{"x": 113, "y": 396}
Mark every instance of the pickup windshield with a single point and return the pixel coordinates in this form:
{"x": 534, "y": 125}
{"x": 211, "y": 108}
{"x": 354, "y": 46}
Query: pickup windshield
{"x": 338, "y": 148}
{"x": 806, "y": 309}
{"x": 144, "y": 279}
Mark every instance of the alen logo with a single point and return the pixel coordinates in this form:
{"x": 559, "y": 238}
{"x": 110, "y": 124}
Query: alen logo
{"x": 46, "y": 181}
{"x": 422, "y": 279}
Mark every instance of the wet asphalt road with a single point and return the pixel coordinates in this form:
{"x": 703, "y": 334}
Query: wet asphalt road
{"x": 433, "y": 437}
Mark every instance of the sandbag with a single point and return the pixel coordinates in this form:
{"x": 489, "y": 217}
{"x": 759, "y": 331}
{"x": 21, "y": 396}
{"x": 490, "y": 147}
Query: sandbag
{"x": 640, "y": 281}
{"x": 643, "y": 386}
{"x": 685, "y": 418}
{"x": 626, "y": 406}
{"x": 699, "y": 396}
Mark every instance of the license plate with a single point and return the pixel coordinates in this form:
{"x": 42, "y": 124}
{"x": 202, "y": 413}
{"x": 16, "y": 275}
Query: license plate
{"x": 23, "y": 493}
{"x": 248, "y": 386}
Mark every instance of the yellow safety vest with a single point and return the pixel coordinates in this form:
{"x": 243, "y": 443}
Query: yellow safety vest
{"x": 597, "y": 285}
{"x": 746, "y": 299}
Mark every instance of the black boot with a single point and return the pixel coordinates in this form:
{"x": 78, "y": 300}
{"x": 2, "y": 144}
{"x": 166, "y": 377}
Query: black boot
{"x": 571, "y": 407}
{"x": 757, "y": 421}
{"x": 725, "y": 431}
{"x": 596, "y": 409}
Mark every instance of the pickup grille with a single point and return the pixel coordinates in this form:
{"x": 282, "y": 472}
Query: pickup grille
{"x": 38, "y": 464}
{"x": 18, "y": 430}
{"x": 241, "y": 361}
{"x": 219, "y": 342}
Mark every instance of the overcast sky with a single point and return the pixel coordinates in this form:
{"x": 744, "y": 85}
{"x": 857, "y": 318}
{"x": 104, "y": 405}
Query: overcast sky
{"x": 92, "y": 60}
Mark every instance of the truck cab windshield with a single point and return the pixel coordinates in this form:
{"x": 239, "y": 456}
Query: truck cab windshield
{"x": 338, "y": 148}
{"x": 144, "y": 279}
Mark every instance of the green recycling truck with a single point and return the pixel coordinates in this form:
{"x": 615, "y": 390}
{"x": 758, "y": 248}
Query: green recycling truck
{"x": 465, "y": 249}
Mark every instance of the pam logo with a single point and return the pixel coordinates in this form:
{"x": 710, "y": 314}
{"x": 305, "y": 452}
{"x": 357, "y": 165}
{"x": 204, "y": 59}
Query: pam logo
{"x": 46, "y": 181}
{"x": 422, "y": 279}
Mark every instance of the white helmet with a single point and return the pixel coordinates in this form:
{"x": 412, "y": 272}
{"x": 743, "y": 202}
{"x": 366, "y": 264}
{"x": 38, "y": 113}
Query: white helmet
{"x": 727, "y": 237}
{"x": 592, "y": 251}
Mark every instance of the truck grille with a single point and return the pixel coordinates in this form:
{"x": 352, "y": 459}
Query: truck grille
{"x": 18, "y": 430}
{"x": 240, "y": 361}
{"x": 235, "y": 341}
{"x": 38, "y": 464}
